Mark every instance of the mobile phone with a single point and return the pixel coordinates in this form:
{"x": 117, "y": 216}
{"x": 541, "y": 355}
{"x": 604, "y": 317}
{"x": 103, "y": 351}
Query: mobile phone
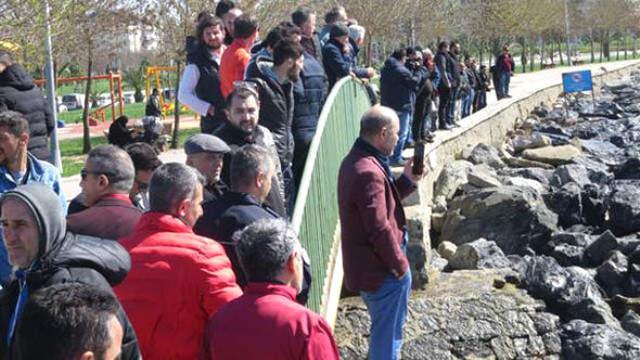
{"x": 418, "y": 158}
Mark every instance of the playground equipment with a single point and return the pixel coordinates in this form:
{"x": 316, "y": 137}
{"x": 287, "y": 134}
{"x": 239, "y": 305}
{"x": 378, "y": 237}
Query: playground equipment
{"x": 115, "y": 83}
{"x": 154, "y": 72}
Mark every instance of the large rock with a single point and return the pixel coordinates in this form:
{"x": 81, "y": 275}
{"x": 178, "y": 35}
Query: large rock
{"x": 515, "y": 218}
{"x": 594, "y": 204}
{"x": 460, "y": 316}
{"x": 584, "y": 341}
{"x": 481, "y": 176}
{"x": 535, "y": 140}
{"x": 567, "y": 203}
{"x": 542, "y": 176}
{"x": 631, "y": 323}
{"x": 570, "y": 173}
{"x": 599, "y": 249}
{"x": 570, "y": 292}
{"x": 479, "y": 254}
{"x": 624, "y": 207}
{"x": 568, "y": 255}
{"x": 447, "y": 249}
{"x": 451, "y": 178}
{"x": 524, "y": 182}
{"x": 553, "y": 155}
{"x": 612, "y": 273}
{"x": 484, "y": 154}
{"x": 630, "y": 169}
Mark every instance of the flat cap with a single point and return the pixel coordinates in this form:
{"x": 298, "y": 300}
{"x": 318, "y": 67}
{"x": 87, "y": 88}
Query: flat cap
{"x": 205, "y": 143}
{"x": 338, "y": 29}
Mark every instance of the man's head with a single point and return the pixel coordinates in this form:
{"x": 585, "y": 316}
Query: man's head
{"x": 243, "y": 110}
{"x": 176, "y": 189}
{"x": 443, "y": 46}
{"x": 210, "y": 32}
{"x": 107, "y": 170}
{"x": 145, "y": 161}
{"x": 223, "y": 7}
{"x": 269, "y": 250}
{"x": 305, "y": 19}
{"x": 154, "y": 92}
{"x": 205, "y": 153}
{"x": 245, "y": 27}
{"x": 400, "y": 54}
{"x": 284, "y": 30}
{"x": 505, "y": 49}
{"x": 379, "y": 127}
{"x": 288, "y": 57}
{"x": 340, "y": 33}
{"x": 336, "y": 14}
{"x": 455, "y": 47}
{"x": 70, "y": 321}
{"x": 229, "y": 18}
{"x": 5, "y": 60}
{"x": 356, "y": 33}
{"x": 252, "y": 169}
{"x": 14, "y": 136}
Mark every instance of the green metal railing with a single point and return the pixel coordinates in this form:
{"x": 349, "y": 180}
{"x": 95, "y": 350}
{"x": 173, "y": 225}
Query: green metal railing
{"x": 315, "y": 216}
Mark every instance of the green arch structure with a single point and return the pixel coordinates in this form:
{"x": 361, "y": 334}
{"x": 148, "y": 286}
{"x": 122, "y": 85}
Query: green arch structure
{"x": 315, "y": 216}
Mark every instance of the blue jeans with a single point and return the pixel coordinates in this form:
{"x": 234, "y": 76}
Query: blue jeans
{"x": 505, "y": 79}
{"x": 467, "y": 102}
{"x": 452, "y": 105}
{"x": 403, "y": 133}
{"x": 482, "y": 99}
{"x": 387, "y": 308}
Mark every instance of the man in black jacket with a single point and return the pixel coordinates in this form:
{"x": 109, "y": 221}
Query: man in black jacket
{"x": 200, "y": 84}
{"x": 19, "y": 93}
{"x": 444, "y": 88}
{"x": 275, "y": 86}
{"x": 44, "y": 253}
{"x": 455, "y": 71}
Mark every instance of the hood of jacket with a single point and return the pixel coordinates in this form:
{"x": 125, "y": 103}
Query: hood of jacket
{"x": 17, "y": 77}
{"x": 57, "y": 248}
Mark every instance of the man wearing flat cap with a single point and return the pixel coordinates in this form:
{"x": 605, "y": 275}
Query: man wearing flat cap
{"x": 338, "y": 56}
{"x": 205, "y": 153}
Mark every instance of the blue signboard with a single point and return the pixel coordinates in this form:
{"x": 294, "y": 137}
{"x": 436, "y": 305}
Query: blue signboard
{"x": 577, "y": 81}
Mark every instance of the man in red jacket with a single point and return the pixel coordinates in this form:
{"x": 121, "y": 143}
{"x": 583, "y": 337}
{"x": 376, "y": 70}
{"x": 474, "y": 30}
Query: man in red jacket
{"x": 374, "y": 236}
{"x": 178, "y": 280}
{"x": 266, "y": 322}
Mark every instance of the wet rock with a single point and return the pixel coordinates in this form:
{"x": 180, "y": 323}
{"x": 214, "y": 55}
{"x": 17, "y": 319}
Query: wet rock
{"x": 613, "y": 272}
{"x": 567, "y": 203}
{"x": 484, "y": 154}
{"x": 599, "y": 249}
{"x": 479, "y": 254}
{"x": 553, "y": 155}
{"x": 630, "y": 169}
{"x": 570, "y": 173}
{"x": 624, "y": 207}
{"x": 631, "y": 323}
{"x": 515, "y": 218}
{"x": 568, "y": 255}
{"x": 582, "y": 340}
{"x": 451, "y": 178}
{"x": 447, "y": 249}
{"x": 570, "y": 292}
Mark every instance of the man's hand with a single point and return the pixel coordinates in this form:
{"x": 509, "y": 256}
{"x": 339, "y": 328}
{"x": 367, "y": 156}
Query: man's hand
{"x": 371, "y": 72}
{"x": 211, "y": 111}
{"x": 408, "y": 172}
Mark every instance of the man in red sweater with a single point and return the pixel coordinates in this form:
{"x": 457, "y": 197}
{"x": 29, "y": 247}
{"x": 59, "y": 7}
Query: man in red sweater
{"x": 266, "y": 322}
{"x": 236, "y": 58}
{"x": 178, "y": 280}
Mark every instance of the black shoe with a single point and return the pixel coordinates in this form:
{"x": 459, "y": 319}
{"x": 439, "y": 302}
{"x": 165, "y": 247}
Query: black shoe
{"x": 429, "y": 138}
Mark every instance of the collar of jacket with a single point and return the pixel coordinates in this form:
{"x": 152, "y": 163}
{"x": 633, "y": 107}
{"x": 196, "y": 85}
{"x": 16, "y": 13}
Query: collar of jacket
{"x": 160, "y": 222}
{"x": 369, "y": 149}
{"x": 271, "y": 288}
{"x": 237, "y": 135}
{"x": 239, "y": 198}
{"x": 119, "y": 197}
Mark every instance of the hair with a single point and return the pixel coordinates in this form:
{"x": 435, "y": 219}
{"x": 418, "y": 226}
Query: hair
{"x": 454, "y": 43}
{"x": 411, "y": 51}
{"x": 242, "y": 93}
{"x": 286, "y": 49}
{"x": 5, "y": 58}
{"x": 301, "y": 15}
{"x": 223, "y": 7}
{"x": 284, "y": 30}
{"x": 205, "y": 23}
{"x": 426, "y": 52}
{"x": 144, "y": 156}
{"x": 442, "y": 45}
{"x": 373, "y": 122}
{"x": 203, "y": 15}
{"x": 356, "y": 32}
{"x": 115, "y": 164}
{"x": 63, "y": 321}
{"x": 399, "y": 54}
{"x": 155, "y": 90}
{"x": 333, "y": 15}
{"x": 247, "y": 163}
{"x": 15, "y": 122}
{"x": 264, "y": 247}
{"x": 244, "y": 26}
{"x": 172, "y": 183}
{"x": 122, "y": 119}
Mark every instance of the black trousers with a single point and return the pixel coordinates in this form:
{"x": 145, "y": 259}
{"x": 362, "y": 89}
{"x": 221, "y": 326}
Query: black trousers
{"x": 443, "y": 106}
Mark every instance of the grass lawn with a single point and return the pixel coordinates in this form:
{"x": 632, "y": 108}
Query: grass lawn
{"x": 73, "y": 158}
{"x": 133, "y": 111}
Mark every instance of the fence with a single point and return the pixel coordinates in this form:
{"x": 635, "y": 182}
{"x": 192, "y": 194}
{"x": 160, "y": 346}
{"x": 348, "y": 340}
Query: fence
{"x": 315, "y": 216}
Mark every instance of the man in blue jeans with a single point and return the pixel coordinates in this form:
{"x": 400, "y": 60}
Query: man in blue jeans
{"x": 373, "y": 229}
{"x": 504, "y": 67}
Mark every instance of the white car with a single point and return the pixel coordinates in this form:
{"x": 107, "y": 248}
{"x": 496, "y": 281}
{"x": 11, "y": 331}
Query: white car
{"x": 104, "y": 99}
{"x": 73, "y": 101}
{"x": 129, "y": 97}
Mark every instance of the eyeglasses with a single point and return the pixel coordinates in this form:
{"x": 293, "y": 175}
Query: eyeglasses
{"x": 246, "y": 85}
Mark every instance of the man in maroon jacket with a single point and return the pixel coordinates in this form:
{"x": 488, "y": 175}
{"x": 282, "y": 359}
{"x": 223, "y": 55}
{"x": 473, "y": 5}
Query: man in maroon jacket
{"x": 374, "y": 235}
{"x": 266, "y": 322}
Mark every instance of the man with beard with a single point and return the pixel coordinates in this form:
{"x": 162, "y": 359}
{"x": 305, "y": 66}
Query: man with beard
{"x": 18, "y": 166}
{"x": 205, "y": 153}
{"x": 241, "y": 128}
{"x": 275, "y": 82}
{"x": 200, "y": 83}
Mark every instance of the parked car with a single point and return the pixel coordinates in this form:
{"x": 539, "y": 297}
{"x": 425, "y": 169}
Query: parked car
{"x": 129, "y": 97}
{"x": 104, "y": 99}
{"x": 73, "y": 101}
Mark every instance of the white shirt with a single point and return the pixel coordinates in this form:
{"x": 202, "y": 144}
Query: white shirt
{"x": 187, "y": 90}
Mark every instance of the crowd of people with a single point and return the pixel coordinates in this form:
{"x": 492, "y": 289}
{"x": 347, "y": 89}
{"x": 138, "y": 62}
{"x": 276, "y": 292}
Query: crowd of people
{"x": 198, "y": 260}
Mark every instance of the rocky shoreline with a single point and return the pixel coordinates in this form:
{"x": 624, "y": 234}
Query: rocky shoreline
{"x": 537, "y": 242}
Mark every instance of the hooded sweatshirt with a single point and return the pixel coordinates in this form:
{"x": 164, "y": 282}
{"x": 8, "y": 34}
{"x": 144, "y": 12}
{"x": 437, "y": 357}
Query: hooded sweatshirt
{"x": 19, "y": 93}
{"x": 62, "y": 257}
